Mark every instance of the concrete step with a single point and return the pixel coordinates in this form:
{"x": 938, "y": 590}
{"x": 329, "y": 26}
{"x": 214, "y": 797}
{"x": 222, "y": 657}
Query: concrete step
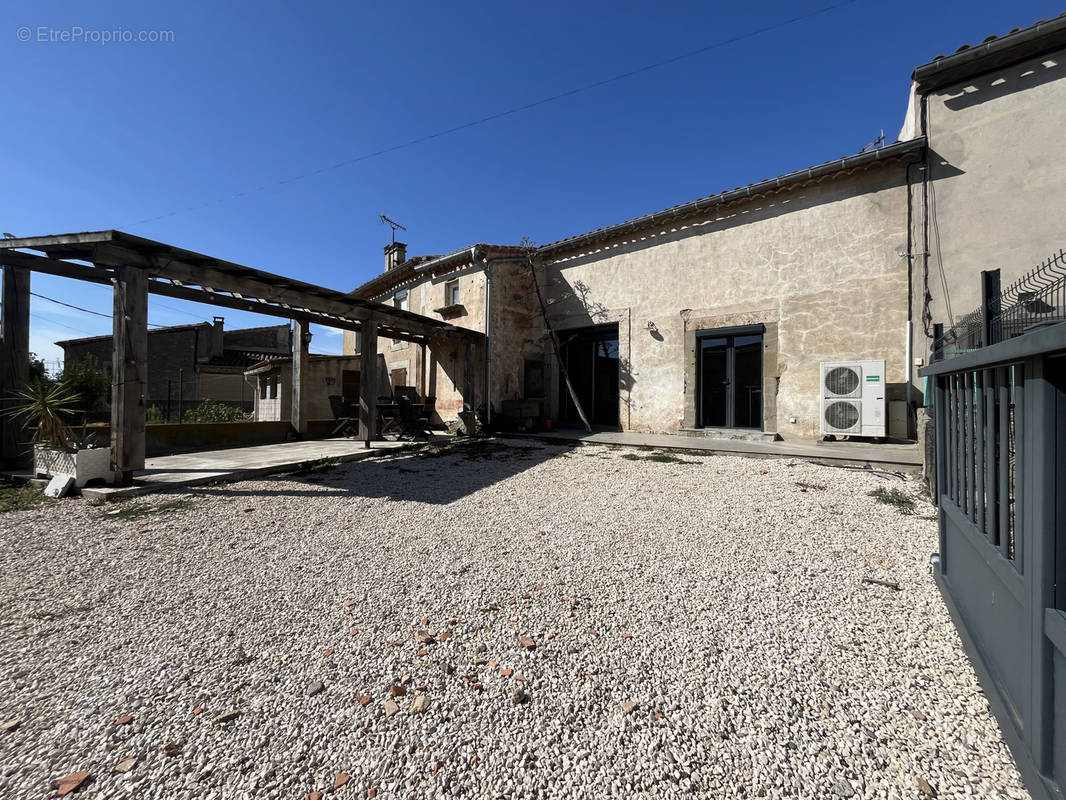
{"x": 735, "y": 434}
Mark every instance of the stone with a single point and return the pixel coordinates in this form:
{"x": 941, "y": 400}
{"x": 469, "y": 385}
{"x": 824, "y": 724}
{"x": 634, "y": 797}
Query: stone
{"x": 447, "y": 668}
{"x": 124, "y": 764}
{"x": 391, "y": 708}
{"x": 314, "y": 796}
{"x": 315, "y": 687}
{"x": 519, "y": 697}
{"x": 364, "y": 700}
{"x": 71, "y": 782}
{"x": 424, "y": 637}
{"x": 171, "y": 750}
{"x": 10, "y": 726}
{"x": 340, "y": 779}
{"x": 227, "y": 716}
{"x": 629, "y": 706}
{"x": 918, "y": 715}
{"x": 419, "y": 704}
{"x": 843, "y": 788}
{"x": 59, "y": 486}
{"x": 126, "y": 720}
{"x": 923, "y": 786}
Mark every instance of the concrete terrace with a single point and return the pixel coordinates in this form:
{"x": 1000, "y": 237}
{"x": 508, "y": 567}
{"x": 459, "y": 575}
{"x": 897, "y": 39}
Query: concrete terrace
{"x": 896, "y": 457}
{"x": 242, "y": 463}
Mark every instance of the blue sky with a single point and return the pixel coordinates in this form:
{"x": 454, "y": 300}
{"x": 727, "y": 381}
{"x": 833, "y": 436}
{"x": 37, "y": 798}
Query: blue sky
{"x": 250, "y": 99}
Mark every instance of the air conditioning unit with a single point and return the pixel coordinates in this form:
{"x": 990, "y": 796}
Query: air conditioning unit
{"x": 853, "y": 398}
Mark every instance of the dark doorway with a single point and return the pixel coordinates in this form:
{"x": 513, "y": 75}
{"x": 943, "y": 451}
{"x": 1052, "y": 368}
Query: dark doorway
{"x": 350, "y": 385}
{"x": 730, "y": 374}
{"x": 591, "y": 359}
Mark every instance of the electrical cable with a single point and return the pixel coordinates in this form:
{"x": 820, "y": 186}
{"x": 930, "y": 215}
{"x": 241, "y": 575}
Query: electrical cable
{"x": 90, "y": 311}
{"x": 501, "y": 114}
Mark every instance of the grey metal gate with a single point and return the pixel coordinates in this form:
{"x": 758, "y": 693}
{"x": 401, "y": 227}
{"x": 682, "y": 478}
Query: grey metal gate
{"x": 1001, "y": 486}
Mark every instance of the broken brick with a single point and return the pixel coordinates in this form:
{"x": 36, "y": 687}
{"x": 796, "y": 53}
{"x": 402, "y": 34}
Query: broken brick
{"x": 126, "y": 720}
{"x": 527, "y": 642}
{"x": 71, "y": 782}
{"x": 328, "y": 653}
{"x": 364, "y": 700}
{"x": 507, "y": 672}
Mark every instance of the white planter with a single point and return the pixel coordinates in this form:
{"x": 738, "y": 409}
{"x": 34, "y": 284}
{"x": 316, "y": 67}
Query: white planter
{"x": 85, "y": 465}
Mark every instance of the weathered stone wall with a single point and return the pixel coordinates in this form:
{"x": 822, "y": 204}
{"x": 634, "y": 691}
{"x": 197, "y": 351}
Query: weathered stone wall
{"x": 439, "y": 369}
{"x": 819, "y": 266}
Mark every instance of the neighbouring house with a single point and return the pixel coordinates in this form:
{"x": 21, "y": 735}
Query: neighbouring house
{"x": 190, "y": 363}
{"x": 712, "y": 317}
{"x": 271, "y": 382}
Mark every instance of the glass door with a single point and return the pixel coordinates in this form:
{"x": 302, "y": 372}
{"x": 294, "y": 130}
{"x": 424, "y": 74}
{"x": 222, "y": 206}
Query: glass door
{"x": 730, "y": 372}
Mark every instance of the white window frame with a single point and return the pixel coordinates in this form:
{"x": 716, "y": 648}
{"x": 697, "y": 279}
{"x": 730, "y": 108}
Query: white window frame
{"x": 451, "y": 293}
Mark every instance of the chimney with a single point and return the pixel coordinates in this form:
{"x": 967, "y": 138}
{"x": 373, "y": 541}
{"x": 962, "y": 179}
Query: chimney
{"x": 395, "y": 254}
{"x": 217, "y": 345}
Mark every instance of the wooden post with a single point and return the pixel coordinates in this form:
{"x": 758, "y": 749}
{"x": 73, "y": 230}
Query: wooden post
{"x": 129, "y": 358}
{"x": 14, "y": 355}
{"x": 300, "y": 344}
{"x": 469, "y": 401}
{"x": 368, "y": 383}
{"x": 422, "y": 388}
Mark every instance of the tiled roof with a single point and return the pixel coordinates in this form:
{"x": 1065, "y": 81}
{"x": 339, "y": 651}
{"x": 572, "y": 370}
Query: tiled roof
{"x": 858, "y": 161}
{"x": 993, "y": 52}
{"x": 242, "y": 358}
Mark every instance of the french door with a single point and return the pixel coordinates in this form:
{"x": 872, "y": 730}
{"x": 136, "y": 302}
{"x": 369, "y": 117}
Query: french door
{"x": 730, "y": 378}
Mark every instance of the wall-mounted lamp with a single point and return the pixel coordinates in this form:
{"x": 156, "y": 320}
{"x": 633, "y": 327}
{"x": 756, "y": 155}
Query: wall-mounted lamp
{"x": 652, "y": 328}
{"x": 306, "y": 337}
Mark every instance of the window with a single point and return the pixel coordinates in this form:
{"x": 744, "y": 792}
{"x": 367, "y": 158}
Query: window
{"x": 263, "y": 388}
{"x": 272, "y": 387}
{"x": 451, "y": 293}
{"x": 401, "y": 300}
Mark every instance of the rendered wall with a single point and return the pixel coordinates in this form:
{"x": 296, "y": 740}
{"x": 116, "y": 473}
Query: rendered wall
{"x": 819, "y": 265}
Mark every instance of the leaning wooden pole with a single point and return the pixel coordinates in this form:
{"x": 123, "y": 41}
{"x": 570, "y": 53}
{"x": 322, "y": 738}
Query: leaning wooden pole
{"x": 555, "y": 346}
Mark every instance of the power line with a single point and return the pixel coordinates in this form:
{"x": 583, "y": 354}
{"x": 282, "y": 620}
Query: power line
{"x": 60, "y": 324}
{"x": 501, "y": 114}
{"x": 86, "y": 310}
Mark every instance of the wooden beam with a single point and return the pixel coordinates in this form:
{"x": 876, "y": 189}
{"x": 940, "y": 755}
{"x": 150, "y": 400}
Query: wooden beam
{"x": 49, "y": 266}
{"x": 368, "y": 383}
{"x": 129, "y": 371}
{"x": 299, "y": 377}
{"x": 14, "y": 356}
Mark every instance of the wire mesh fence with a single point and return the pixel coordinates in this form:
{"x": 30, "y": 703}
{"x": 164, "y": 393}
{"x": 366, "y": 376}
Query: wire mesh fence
{"x": 1035, "y": 300}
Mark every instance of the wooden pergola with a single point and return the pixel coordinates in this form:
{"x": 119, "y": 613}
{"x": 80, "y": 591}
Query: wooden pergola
{"x": 136, "y": 267}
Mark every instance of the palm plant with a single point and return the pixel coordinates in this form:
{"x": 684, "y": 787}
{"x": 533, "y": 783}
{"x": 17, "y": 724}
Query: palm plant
{"x": 46, "y": 406}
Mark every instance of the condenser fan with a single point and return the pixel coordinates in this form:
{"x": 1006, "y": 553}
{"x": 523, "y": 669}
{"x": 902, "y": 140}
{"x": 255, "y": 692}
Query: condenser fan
{"x": 841, "y": 380}
{"x": 841, "y": 416}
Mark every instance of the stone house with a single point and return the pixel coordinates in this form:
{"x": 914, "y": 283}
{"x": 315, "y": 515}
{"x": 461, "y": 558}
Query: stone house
{"x": 713, "y": 317}
{"x": 190, "y": 363}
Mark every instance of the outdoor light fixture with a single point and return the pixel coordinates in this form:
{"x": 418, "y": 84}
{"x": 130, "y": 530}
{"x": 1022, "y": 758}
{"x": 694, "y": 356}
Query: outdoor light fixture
{"x": 652, "y": 328}
{"x": 306, "y": 337}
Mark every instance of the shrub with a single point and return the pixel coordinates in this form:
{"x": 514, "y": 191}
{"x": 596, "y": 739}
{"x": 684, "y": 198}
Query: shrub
{"x": 213, "y": 411}
{"x": 894, "y": 497}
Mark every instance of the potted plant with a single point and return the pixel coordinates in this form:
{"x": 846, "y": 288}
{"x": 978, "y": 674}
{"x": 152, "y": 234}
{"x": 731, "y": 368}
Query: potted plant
{"x": 45, "y": 406}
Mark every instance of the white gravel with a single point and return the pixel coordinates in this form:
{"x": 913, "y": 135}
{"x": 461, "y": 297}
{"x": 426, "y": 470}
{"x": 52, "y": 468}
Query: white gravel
{"x": 719, "y": 596}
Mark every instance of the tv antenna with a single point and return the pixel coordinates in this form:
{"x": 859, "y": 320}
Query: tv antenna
{"x": 394, "y": 225}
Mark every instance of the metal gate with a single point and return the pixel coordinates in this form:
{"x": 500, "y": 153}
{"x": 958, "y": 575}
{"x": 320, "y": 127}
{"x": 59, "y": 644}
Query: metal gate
{"x": 1001, "y": 486}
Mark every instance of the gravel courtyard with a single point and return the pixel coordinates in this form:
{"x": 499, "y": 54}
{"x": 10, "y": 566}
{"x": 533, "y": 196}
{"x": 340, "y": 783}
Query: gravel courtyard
{"x": 492, "y": 620}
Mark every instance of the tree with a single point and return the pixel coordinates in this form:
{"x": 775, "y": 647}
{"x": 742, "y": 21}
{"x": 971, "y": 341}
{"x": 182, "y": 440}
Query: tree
{"x": 90, "y": 382}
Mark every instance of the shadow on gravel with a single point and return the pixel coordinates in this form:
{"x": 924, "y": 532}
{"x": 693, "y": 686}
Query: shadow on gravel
{"x": 431, "y": 473}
